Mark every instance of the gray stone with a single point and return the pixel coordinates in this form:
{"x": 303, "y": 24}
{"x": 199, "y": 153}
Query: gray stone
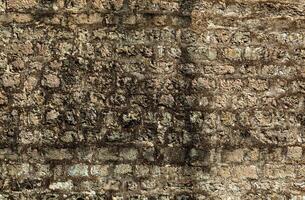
{"x": 78, "y": 170}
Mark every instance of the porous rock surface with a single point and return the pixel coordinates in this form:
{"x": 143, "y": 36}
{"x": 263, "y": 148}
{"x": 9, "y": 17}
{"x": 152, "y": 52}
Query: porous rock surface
{"x": 152, "y": 99}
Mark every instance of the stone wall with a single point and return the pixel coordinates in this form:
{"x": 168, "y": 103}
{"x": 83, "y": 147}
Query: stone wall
{"x": 152, "y": 99}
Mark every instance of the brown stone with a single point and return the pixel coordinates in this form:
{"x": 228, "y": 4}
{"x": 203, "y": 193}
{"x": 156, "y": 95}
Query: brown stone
{"x": 51, "y": 81}
{"x": 236, "y": 155}
{"x": 245, "y": 172}
{"x": 3, "y": 99}
{"x": 294, "y": 153}
{"x": 233, "y": 53}
{"x": 21, "y": 4}
{"x": 11, "y": 80}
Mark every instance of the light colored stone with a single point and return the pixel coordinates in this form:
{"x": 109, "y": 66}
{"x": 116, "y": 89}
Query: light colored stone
{"x": 129, "y": 153}
{"x": 104, "y": 5}
{"x": 300, "y": 170}
{"x": 148, "y": 184}
{"x": 30, "y": 83}
{"x": 122, "y": 169}
{"x": 58, "y": 171}
{"x": 11, "y": 80}
{"x": 22, "y": 18}
{"x": 160, "y": 20}
{"x": 63, "y": 185}
{"x": 2, "y": 5}
{"x": 167, "y": 100}
{"x": 51, "y": 80}
{"x": 106, "y": 154}
{"x": 204, "y": 83}
{"x": 276, "y": 171}
{"x": 253, "y": 155}
{"x": 117, "y": 4}
{"x": 99, "y": 5}
{"x": 21, "y": 4}
{"x": 68, "y": 136}
{"x": 78, "y": 170}
{"x": 224, "y": 69}
{"x": 141, "y": 170}
{"x": 42, "y": 170}
{"x": 19, "y": 170}
{"x": 58, "y": 154}
{"x": 30, "y": 137}
{"x": 100, "y": 170}
{"x": 245, "y": 172}
{"x": 51, "y": 115}
{"x": 223, "y": 171}
{"x": 212, "y": 53}
{"x": 109, "y": 184}
{"x": 236, "y": 155}
{"x": 74, "y": 5}
{"x": 88, "y": 18}
{"x": 3, "y": 99}
{"x": 294, "y": 153}
{"x": 233, "y": 53}
{"x": 253, "y": 53}
{"x": 130, "y": 20}
{"x": 258, "y": 84}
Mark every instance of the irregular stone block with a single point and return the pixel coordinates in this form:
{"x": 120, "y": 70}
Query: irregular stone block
{"x": 58, "y": 154}
{"x": 3, "y": 99}
{"x": 294, "y": 153}
{"x": 51, "y": 81}
{"x": 274, "y": 171}
{"x": 233, "y": 53}
{"x": 19, "y": 170}
{"x": 245, "y": 172}
{"x": 78, "y": 170}
{"x": 61, "y": 185}
{"x": 123, "y": 169}
{"x": 10, "y": 80}
{"x": 100, "y": 170}
{"x": 129, "y": 154}
{"x": 21, "y": 4}
{"x": 236, "y": 155}
{"x": 30, "y": 137}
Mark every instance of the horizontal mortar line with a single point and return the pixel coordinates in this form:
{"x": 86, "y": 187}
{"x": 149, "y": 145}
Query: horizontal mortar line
{"x": 267, "y": 20}
{"x": 285, "y": 2}
{"x": 134, "y": 163}
{"x": 238, "y": 63}
{"x": 179, "y": 43}
{"x": 90, "y": 26}
{"x": 272, "y": 44}
{"x": 247, "y": 2}
{"x": 211, "y": 15}
{"x": 207, "y": 15}
{"x": 90, "y": 12}
{"x": 95, "y": 26}
{"x": 251, "y": 31}
{"x": 248, "y": 28}
{"x": 241, "y": 62}
{"x": 97, "y": 161}
{"x": 263, "y": 45}
{"x": 236, "y": 76}
{"x": 240, "y": 29}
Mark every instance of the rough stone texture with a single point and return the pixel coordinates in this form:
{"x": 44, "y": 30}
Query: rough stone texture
{"x": 152, "y": 99}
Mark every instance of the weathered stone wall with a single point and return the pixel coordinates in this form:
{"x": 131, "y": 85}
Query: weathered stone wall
{"x": 152, "y": 99}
